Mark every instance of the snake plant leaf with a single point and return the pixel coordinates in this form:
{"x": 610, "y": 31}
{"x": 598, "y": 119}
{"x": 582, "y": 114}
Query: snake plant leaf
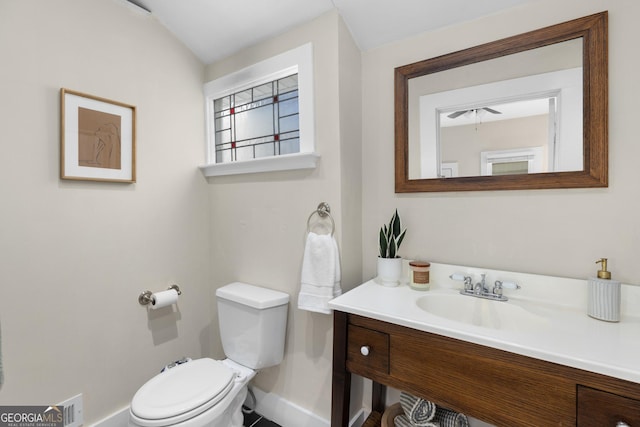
{"x": 393, "y": 247}
{"x": 395, "y": 225}
{"x": 383, "y": 243}
{"x": 391, "y": 237}
{"x": 401, "y": 237}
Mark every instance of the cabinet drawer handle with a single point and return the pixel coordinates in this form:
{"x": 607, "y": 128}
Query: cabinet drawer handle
{"x": 364, "y": 350}
{"x": 622, "y": 424}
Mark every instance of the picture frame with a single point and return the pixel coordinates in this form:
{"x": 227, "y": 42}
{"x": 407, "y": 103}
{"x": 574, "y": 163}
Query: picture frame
{"x": 97, "y": 138}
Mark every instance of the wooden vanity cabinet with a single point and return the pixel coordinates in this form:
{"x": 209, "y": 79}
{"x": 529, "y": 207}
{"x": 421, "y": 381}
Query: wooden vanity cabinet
{"x": 495, "y": 386}
{"x": 367, "y": 351}
{"x": 599, "y": 408}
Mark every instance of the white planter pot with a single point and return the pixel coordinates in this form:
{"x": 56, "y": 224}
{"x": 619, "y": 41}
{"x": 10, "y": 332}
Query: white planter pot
{"x": 389, "y": 271}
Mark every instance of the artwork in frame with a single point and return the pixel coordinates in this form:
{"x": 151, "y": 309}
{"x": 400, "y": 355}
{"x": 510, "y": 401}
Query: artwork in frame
{"x": 97, "y": 138}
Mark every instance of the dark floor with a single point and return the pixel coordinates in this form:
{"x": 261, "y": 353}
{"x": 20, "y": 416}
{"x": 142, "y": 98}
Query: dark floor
{"x": 256, "y": 420}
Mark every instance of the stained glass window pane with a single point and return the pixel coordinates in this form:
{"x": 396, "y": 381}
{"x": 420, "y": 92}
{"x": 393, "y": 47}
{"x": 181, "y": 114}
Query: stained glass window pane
{"x": 222, "y": 103}
{"x": 261, "y": 121}
{"x": 265, "y": 150}
{"x": 254, "y": 123}
{"x": 223, "y": 156}
{"x": 244, "y": 153}
{"x": 288, "y": 107}
{"x": 242, "y": 98}
{"x": 264, "y": 91}
{"x": 223, "y": 137}
{"x": 288, "y": 84}
{"x": 290, "y": 146}
{"x": 223, "y": 123}
{"x": 288, "y": 95}
{"x": 289, "y": 123}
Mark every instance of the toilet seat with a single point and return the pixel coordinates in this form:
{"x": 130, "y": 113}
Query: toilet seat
{"x": 182, "y": 392}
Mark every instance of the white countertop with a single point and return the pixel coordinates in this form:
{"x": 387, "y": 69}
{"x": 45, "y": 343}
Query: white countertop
{"x": 567, "y": 336}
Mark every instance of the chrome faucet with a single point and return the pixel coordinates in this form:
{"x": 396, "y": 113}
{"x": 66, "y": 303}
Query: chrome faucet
{"x": 481, "y": 287}
{"x": 481, "y": 290}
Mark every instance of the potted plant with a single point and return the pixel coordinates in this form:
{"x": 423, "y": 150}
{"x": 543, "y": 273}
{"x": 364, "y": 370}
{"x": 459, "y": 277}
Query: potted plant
{"x": 389, "y": 263}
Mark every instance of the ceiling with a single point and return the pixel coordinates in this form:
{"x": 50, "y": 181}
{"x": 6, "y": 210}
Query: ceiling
{"x": 215, "y": 29}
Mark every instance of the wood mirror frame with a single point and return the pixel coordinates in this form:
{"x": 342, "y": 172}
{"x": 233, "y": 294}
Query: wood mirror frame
{"x": 593, "y": 30}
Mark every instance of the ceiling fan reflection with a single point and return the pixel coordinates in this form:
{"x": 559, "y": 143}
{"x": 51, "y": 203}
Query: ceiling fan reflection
{"x": 477, "y": 111}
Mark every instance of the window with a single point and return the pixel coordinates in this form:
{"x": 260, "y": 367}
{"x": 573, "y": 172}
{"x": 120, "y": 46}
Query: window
{"x": 261, "y": 118}
{"x": 261, "y": 121}
{"x": 512, "y": 162}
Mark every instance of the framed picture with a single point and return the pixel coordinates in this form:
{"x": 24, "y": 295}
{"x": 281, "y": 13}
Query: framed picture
{"x": 97, "y": 138}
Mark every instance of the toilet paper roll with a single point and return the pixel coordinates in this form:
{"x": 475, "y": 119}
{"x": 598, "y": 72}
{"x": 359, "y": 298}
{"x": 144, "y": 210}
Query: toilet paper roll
{"x": 164, "y": 298}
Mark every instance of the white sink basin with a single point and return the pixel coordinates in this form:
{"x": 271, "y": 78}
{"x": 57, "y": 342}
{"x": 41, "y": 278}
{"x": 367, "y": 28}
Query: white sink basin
{"x": 485, "y": 313}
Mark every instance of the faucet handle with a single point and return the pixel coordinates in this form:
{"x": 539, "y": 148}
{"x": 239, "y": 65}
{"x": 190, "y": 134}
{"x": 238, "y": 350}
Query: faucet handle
{"x": 462, "y": 278}
{"x": 498, "y": 286}
{"x": 508, "y": 285}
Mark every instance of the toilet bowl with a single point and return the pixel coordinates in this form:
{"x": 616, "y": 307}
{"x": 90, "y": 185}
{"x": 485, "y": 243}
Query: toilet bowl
{"x": 203, "y": 392}
{"x": 208, "y": 392}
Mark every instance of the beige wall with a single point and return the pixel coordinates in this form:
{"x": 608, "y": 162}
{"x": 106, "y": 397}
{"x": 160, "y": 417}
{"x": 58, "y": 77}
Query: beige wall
{"x": 259, "y": 221}
{"x": 75, "y": 255}
{"x": 464, "y": 144}
{"x": 555, "y": 232}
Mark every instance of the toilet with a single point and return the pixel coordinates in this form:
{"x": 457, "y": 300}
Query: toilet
{"x": 208, "y": 392}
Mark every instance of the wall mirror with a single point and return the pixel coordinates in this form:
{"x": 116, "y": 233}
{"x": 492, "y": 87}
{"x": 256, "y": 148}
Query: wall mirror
{"x": 525, "y": 112}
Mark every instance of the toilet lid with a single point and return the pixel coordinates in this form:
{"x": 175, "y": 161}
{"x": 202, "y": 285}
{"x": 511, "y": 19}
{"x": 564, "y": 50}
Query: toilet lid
{"x": 183, "y": 389}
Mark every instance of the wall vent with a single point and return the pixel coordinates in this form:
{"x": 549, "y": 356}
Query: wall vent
{"x": 72, "y": 412}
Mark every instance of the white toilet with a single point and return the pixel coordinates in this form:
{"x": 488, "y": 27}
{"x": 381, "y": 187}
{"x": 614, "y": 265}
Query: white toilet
{"x": 207, "y": 392}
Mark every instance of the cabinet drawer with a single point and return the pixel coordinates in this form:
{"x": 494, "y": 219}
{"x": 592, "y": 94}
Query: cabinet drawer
{"x": 367, "y": 351}
{"x": 598, "y": 408}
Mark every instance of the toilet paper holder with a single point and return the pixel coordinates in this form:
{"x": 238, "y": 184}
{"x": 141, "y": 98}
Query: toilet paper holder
{"x": 146, "y": 297}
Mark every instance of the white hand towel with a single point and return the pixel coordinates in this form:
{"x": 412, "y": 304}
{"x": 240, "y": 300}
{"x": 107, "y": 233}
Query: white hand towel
{"x": 320, "y": 278}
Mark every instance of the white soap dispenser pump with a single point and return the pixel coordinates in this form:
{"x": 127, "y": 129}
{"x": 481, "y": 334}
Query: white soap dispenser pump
{"x": 603, "y": 295}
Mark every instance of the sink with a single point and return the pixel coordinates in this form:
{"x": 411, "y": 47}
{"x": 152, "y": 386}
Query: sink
{"x": 485, "y": 313}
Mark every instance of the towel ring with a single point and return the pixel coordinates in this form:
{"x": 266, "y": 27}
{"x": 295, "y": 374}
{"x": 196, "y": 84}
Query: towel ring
{"x": 323, "y": 211}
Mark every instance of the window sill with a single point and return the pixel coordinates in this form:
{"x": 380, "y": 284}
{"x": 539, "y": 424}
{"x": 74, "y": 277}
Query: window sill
{"x": 267, "y": 164}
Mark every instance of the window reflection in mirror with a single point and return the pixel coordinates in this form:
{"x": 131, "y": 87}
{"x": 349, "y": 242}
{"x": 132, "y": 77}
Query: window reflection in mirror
{"x": 526, "y": 101}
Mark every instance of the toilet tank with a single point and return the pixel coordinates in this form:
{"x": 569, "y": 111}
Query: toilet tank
{"x": 253, "y": 322}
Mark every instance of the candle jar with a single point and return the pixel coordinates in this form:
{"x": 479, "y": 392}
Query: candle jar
{"x": 419, "y": 275}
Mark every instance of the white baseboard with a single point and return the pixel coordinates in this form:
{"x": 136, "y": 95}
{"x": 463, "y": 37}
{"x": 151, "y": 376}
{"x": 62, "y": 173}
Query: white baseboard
{"x": 270, "y": 405}
{"x": 287, "y": 414}
{"x": 117, "y": 419}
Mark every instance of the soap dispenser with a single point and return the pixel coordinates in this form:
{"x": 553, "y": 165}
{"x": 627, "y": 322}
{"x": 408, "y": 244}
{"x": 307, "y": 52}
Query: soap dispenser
{"x": 604, "y": 295}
